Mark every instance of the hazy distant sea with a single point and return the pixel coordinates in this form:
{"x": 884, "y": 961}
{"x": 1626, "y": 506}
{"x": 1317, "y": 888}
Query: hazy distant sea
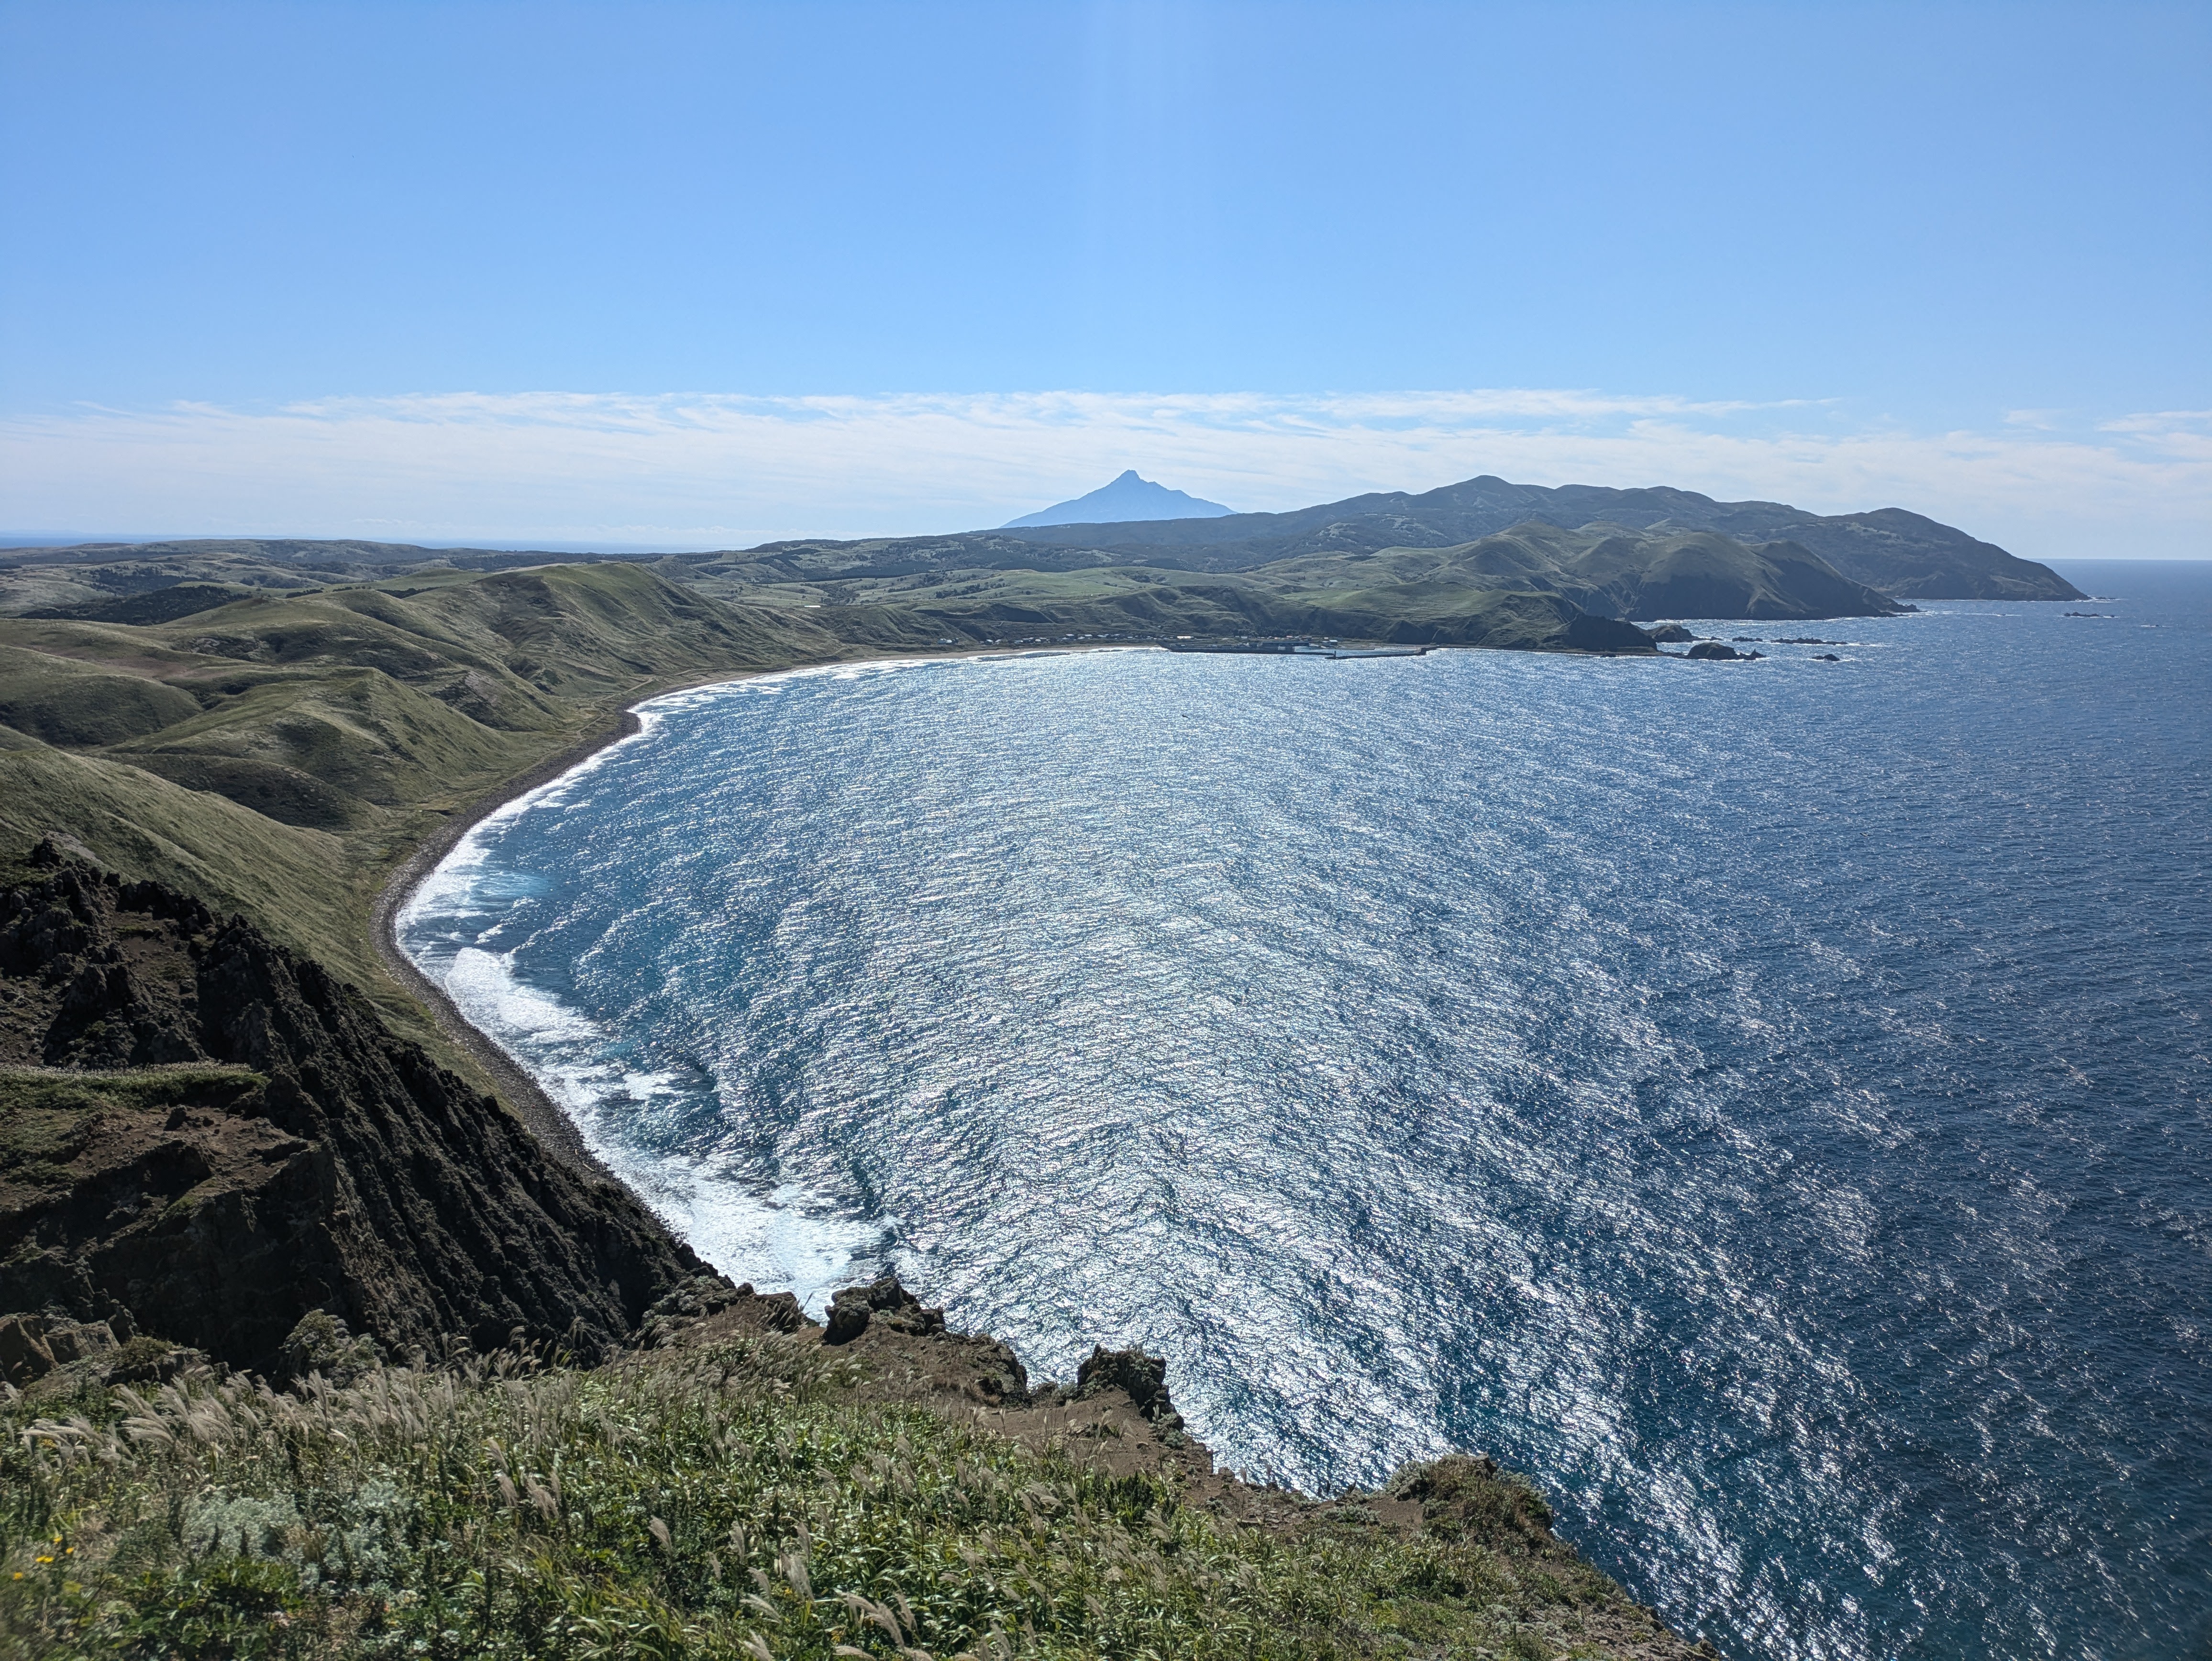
{"x": 1771, "y": 1104}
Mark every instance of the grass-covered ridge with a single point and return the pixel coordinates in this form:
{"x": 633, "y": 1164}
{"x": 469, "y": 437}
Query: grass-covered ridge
{"x": 738, "y": 1500}
{"x": 279, "y": 753}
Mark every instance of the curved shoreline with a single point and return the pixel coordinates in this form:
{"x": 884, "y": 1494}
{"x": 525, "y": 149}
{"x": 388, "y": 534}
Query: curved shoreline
{"x": 524, "y": 1096}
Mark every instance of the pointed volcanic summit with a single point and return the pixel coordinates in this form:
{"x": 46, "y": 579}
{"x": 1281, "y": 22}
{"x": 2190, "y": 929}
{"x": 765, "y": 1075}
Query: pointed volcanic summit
{"x": 1126, "y": 498}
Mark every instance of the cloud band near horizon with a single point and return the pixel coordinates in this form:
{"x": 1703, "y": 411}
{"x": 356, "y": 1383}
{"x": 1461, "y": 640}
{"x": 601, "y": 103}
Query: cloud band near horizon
{"x": 703, "y": 471}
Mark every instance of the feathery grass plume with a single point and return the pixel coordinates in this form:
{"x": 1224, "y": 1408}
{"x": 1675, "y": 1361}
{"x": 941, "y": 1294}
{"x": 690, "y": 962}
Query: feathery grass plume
{"x": 725, "y": 1503}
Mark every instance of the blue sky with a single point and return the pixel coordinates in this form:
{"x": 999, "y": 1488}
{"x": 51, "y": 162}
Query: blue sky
{"x": 702, "y": 274}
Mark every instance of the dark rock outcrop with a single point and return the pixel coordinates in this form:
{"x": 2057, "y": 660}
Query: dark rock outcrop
{"x": 1145, "y": 1378}
{"x": 704, "y": 1296}
{"x": 884, "y": 1314}
{"x": 321, "y": 1344}
{"x": 1712, "y": 651}
{"x": 882, "y": 1299}
{"x": 1668, "y": 634}
{"x": 1586, "y": 633}
{"x": 286, "y": 1154}
{"x": 34, "y": 1348}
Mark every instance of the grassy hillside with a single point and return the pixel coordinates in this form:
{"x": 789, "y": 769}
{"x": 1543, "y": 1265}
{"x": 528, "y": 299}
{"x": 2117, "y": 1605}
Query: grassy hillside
{"x": 1604, "y": 569}
{"x": 760, "y": 1498}
{"x": 100, "y": 580}
{"x": 974, "y": 606}
{"x": 279, "y": 754}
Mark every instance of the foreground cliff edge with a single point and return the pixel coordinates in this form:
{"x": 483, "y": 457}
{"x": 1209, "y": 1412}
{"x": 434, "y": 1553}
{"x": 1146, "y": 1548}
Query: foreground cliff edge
{"x": 311, "y": 1350}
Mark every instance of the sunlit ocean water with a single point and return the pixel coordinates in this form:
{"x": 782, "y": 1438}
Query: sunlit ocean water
{"x": 1770, "y": 1104}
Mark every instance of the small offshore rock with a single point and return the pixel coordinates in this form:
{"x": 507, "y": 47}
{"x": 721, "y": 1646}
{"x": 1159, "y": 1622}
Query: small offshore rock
{"x": 1712, "y": 651}
{"x": 1669, "y": 633}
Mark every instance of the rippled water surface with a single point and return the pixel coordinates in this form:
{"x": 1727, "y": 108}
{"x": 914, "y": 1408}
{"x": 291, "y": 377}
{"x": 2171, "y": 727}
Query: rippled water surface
{"x": 1771, "y": 1104}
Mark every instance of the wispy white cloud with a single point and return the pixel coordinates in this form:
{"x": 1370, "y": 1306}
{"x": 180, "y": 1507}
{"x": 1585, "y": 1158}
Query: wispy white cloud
{"x": 712, "y": 469}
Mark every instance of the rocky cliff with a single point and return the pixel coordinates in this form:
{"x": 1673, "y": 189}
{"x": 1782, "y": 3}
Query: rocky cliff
{"x": 271, "y": 1151}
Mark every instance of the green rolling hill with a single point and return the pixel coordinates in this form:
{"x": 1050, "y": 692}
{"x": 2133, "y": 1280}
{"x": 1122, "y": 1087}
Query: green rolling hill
{"x": 1902, "y": 555}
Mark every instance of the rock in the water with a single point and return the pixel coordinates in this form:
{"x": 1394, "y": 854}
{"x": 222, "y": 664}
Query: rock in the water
{"x": 1669, "y": 633}
{"x": 1712, "y": 651}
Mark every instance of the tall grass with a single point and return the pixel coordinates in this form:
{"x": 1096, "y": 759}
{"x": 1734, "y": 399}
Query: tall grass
{"x": 736, "y": 1504}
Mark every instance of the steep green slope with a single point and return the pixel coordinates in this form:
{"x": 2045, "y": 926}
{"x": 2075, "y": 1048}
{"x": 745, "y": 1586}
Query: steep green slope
{"x": 279, "y": 754}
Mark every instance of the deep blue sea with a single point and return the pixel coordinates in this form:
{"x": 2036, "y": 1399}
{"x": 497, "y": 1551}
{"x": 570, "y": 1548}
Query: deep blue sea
{"x": 1770, "y": 1104}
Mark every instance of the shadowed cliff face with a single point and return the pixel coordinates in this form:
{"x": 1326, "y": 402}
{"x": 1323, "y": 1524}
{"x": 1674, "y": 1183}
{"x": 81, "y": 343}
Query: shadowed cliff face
{"x": 286, "y": 1153}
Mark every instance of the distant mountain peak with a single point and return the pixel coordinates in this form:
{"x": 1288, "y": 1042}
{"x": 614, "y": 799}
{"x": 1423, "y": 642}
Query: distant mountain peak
{"x": 1128, "y": 497}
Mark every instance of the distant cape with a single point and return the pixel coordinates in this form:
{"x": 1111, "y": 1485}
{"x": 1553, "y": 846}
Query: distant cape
{"x": 1903, "y": 554}
{"x": 1126, "y": 498}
